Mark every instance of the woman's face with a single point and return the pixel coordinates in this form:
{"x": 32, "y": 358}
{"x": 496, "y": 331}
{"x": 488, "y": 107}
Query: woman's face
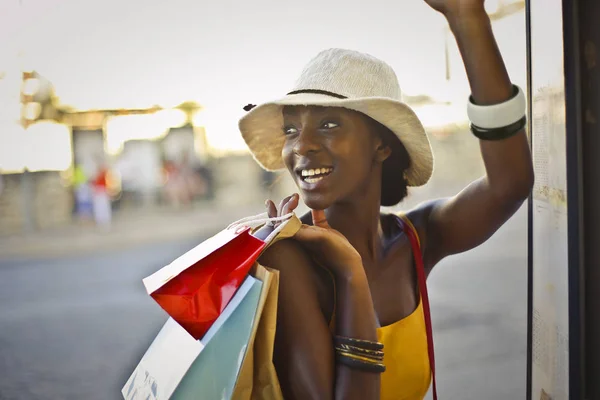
{"x": 330, "y": 152}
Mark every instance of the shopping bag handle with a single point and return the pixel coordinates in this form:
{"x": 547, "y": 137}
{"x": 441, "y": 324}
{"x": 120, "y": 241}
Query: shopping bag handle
{"x": 261, "y": 219}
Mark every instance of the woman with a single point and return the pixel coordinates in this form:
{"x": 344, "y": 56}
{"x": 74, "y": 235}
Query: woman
{"x": 348, "y": 282}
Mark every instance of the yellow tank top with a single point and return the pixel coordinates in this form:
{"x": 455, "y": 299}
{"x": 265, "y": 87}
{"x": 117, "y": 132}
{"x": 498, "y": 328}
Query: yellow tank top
{"x": 408, "y": 373}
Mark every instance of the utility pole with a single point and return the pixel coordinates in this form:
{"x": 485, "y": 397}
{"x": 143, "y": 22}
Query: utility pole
{"x": 28, "y": 110}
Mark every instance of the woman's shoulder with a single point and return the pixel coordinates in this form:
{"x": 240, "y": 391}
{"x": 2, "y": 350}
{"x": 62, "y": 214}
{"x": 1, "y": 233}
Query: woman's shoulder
{"x": 285, "y": 252}
{"x": 288, "y": 255}
{"x": 414, "y": 219}
{"x": 296, "y": 266}
{"x": 416, "y": 216}
{"x": 419, "y": 217}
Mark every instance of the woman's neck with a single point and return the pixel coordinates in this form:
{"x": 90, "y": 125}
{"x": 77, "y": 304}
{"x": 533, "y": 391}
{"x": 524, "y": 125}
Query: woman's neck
{"x": 359, "y": 221}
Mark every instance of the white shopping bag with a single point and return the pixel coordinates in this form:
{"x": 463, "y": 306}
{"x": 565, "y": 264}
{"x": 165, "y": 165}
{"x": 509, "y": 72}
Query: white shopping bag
{"x": 176, "y": 366}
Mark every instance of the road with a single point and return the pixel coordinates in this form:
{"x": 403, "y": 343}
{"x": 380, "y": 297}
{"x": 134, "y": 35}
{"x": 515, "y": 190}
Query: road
{"x": 479, "y": 311}
{"x": 75, "y": 327}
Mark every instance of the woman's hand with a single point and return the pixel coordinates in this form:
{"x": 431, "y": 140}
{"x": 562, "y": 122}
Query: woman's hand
{"x": 326, "y": 245}
{"x": 329, "y": 247}
{"x": 286, "y": 206}
{"x": 457, "y": 7}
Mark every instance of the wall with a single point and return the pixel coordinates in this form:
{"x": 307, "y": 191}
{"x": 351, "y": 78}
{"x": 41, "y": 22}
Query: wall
{"x": 50, "y": 206}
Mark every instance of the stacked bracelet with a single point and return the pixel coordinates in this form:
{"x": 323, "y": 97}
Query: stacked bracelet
{"x": 498, "y": 121}
{"x": 499, "y": 133}
{"x": 360, "y": 354}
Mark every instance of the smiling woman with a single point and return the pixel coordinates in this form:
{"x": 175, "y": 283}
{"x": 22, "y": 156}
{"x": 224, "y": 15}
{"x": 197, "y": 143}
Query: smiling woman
{"x": 345, "y": 137}
{"x": 353, "y": 318}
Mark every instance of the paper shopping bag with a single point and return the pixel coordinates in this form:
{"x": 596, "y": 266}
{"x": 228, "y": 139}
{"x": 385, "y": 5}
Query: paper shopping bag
{"x": 257, "y": 373}
{"x": 176, "y": 366}
{"x": 196, "y": 287}
{"x": 258, "y": 378}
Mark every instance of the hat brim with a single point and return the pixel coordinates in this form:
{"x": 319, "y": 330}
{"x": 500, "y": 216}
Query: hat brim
{"x": 261, "y": 128}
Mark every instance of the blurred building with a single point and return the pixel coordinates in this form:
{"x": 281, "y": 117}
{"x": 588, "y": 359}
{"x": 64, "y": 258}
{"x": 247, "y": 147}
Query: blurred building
{"x": 146, "y": 147}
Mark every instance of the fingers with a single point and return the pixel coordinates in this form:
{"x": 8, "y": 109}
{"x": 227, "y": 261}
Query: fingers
{"x": 271, "y": 209}
{"x": 290, "y": 205}
{"x": 283, "y": 203}
{"x": 319, "y": 219}
{"x": 286, "y": 206}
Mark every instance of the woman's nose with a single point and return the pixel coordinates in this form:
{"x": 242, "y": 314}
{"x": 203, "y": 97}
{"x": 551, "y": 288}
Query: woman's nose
{"x": 307, "y": 142}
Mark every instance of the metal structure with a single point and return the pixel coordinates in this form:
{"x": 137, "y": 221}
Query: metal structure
{"x": 564, "y": 217}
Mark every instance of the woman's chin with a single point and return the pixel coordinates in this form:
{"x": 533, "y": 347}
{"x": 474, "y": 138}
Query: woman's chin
{"x": 316, "y": 202}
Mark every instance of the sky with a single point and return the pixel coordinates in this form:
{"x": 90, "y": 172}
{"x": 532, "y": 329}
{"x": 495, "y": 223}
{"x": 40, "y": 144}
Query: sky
{"x": 138, "y": 51}
{"x": 223, "y": 54}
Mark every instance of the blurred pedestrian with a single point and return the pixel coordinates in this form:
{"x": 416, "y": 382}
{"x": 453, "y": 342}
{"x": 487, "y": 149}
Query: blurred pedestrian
{"x": 83, "y": 194}
{"x": 353, "y": 314}
{"x": 175, "y": 184}
{"x": 101, "y": 198}
{"x": 183, "y": 183}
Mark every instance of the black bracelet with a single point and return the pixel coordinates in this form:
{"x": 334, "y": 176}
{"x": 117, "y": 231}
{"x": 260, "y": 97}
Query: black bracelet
{"x": 358, "y": 364}
{"x": 499, "y": 133}
{"x": 366, "y": 344}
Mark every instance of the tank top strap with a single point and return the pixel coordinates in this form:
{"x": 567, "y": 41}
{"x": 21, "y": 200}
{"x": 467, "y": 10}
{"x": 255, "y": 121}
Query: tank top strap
{"x": 411, "y": 232}
{"x": 407, "y": 224}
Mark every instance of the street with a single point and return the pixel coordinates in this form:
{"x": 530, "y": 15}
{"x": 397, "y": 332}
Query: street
{"x": 479, "y": 311}
{"x": 75, "y": 327}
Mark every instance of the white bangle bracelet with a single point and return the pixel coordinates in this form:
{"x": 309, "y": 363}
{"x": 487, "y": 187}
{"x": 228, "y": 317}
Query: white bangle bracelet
{"x": 498, "y": 115}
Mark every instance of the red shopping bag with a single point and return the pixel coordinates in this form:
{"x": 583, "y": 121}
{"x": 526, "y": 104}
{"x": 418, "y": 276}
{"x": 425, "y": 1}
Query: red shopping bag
{"x": 195, "y": 288}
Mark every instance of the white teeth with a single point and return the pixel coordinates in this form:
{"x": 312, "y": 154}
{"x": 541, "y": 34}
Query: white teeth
{"x": 317, "y": 171}
{"x": 315, "y": 175}
{"x": 313, "y": 180}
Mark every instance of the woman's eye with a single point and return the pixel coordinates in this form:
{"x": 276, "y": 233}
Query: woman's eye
{"x": 289, "y": 130}
{"x": 330, "y": 125}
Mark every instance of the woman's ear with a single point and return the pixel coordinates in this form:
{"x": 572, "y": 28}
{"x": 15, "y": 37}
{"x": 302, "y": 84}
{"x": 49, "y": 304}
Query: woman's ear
{"x": 382, "y": 152}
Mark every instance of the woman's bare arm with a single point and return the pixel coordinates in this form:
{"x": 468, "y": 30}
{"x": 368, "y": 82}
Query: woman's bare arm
{"x": 468, "y": 219}
{"x": 304, "y": 353}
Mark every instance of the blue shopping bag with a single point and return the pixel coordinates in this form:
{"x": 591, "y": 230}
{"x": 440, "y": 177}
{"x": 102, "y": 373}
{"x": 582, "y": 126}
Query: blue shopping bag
{"x": 176, "y": 366}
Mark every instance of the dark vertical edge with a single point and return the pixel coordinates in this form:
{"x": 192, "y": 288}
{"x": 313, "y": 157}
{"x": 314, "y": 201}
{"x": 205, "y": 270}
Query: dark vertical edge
{"x": 529, "y": 205}
{"x": 589, "y": 43}
{"x": 574, "y": 194}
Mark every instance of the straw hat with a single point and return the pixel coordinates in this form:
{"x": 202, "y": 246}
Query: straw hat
{"x": 349, "y": 79}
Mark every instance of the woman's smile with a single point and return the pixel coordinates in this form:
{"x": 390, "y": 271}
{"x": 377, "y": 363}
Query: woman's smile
{"x": 329, "y": 151}
{"x": 311, "y": 179}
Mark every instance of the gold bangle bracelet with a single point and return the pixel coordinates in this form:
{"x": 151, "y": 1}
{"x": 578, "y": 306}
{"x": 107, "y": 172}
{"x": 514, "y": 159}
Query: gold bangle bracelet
{"x": 375, "y": 354}
{"x": 365, "y": 344}
{"x": 357, "y": 357}
{"x": 356, "y": 363}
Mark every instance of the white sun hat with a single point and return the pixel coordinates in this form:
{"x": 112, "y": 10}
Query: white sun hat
{"x": 349, "y": 79}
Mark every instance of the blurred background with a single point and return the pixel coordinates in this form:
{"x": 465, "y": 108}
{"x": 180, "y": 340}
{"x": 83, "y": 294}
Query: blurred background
{"x": 119, "y": 150}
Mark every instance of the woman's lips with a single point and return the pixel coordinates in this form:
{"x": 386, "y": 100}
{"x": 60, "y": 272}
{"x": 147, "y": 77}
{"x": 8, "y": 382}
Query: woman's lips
{"x": 314, "y": 179}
